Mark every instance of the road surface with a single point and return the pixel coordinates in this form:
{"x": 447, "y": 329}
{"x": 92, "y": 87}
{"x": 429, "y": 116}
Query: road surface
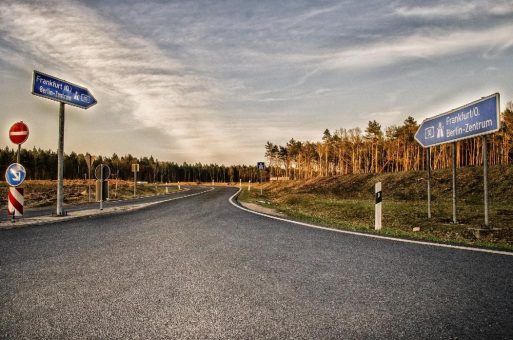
{"x": 199, "y": 267}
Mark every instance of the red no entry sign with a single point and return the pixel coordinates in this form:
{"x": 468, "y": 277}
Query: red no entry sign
{"x": 19, "y": 133}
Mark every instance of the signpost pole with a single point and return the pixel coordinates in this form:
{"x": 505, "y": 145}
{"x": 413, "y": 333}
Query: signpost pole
{"x": 89, "y": 184}
{"x": 485, "y": 179}
{"x": 101, "y": 187}
{"x": 18, "y": 154}
{"x": 60, "y": 162}
{"x": 428, "y": 151}
{"x": 453, "y": 149}
{"x": 116, "y": 188}
{"x": 135, "y": 181}
{"x": 261, "y": 183}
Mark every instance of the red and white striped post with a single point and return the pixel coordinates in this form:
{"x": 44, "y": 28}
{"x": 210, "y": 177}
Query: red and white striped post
{"x": 15, "y": 202}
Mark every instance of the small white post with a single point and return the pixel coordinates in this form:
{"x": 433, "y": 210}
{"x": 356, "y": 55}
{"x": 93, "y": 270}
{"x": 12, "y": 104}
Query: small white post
{"x": 378, "y": 199}
{"x": 167, "y": 189}
{"x": 240, "y": 183}
{"x": 179, "y": 186}
{"x": 249, "y": 185}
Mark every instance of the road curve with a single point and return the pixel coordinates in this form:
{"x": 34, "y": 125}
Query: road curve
{"x": 201, "y": 268}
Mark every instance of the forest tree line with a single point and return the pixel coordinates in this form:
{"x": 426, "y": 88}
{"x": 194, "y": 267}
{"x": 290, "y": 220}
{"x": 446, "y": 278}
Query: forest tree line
{"x": 343, "y": 151}
{"x": 353, "y": 151}
{"x": 42, "y": 165}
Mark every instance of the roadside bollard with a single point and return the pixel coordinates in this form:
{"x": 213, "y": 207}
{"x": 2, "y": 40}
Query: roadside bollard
{"x": 377, "y": 212}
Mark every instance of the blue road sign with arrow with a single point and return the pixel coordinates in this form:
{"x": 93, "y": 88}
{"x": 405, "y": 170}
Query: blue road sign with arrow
{"x": 475, "y": 119}
{"x": 15, "y": 174}
{"x": 62, "y": 91}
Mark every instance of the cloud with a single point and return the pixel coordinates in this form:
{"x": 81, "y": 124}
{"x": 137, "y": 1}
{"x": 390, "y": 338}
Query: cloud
{"x": 460, "y": 9}
{"x": 456, "y": 10}
{"x": 429, "y": 45}
{"x": 194, "y": 79}
{"x": 126, "y": 73}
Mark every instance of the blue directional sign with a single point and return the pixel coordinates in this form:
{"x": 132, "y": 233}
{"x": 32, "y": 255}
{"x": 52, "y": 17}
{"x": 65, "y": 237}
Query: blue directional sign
{"x": 261, "y": 166}
{"x": 475, "y": 119}
{"x": 62, "y": 91}
{"x": 15, "y": 174}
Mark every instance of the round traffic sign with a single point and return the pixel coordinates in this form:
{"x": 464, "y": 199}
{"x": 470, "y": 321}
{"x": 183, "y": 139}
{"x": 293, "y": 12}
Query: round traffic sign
{"x": 98, "y": 172}
{"x": 15, "y": 174}
{"x": 19, "y": 133}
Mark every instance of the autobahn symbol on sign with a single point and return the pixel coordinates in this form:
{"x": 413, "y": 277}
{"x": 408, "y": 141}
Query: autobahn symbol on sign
{"x": 62, "y": 91}
{"x": 18, "y": 133}
{"x": 15, "y": 174}
{"x": 474, "y": 119}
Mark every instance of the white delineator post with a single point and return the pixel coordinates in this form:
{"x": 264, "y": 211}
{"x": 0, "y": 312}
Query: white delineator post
{"x": 377, "y": 213}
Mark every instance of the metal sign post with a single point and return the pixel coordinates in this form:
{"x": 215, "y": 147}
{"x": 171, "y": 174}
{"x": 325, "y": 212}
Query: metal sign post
{"x": 64, "y": 92}
{"x": 89, "y": 161}
{"x": 60, "y": 163}
{"x": 428, "y": 152}
{"x": 485, "y": 179}
{"x": 453, "y": 150}
{"x": 261, "y": 167}
{"x": 135, "y": 170}
{"x": 479, "y": 118}
{"x": 261, "y": 183}
{"x": 102, "y": 174}
{"x": 101, "y": 186}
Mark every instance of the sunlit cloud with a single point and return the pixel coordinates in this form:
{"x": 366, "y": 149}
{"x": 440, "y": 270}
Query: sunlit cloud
{"x": 193, "y": 80}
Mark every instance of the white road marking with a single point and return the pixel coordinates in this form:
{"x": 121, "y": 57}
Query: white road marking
{"x": 480, "y": 250}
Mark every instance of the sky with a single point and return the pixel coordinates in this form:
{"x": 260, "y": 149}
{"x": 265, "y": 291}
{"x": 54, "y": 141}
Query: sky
{"x": 213, "y": 81}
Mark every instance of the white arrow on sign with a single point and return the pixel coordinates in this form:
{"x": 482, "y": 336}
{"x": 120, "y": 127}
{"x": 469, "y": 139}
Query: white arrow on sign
{"x": 16, "y": 175}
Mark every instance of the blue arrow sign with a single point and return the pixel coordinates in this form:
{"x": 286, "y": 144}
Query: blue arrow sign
{"x": 475, "y": 119}
{"x": 62, "y": 91}
{"x": 15, "y": 174}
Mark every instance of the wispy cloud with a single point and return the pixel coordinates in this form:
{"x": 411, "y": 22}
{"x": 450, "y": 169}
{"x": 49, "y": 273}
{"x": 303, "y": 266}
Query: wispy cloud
{"x": 458, "y": 9}
{"x": 122, "y": 69}
{"x": 202, "y": 76}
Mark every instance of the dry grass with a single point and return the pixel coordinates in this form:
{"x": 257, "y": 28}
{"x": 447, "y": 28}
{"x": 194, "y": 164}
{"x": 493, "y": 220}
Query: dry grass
{"x": 44, "y": 193}
{"x": 347, "y": 202}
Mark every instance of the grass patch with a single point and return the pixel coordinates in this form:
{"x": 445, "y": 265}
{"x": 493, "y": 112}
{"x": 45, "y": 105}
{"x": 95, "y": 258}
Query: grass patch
{"x": 44, "y": 193}
{"x": 346, "y": 202}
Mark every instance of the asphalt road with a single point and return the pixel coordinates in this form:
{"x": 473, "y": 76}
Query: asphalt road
{"x": 200, "y": 268}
